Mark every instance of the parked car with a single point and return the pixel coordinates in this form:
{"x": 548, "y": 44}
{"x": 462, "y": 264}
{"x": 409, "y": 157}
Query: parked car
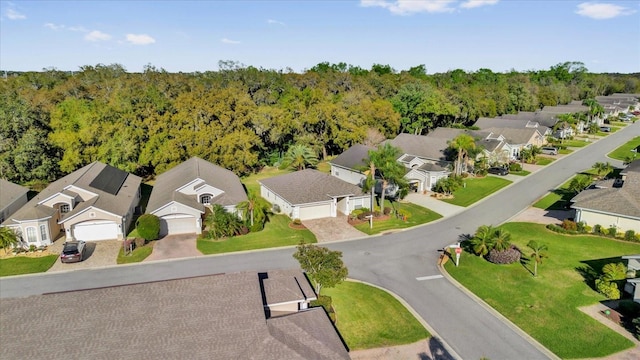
{"x": 605, "y": 129}
{"x": 73, "y": 251}
{"x": 549, "y": 150}
{"x": 498, "y": 170}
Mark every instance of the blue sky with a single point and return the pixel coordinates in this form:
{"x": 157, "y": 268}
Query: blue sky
{"x": 441, "y": 34}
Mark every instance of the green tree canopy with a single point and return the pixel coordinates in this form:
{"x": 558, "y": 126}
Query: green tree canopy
{"x": 323, "y": 266}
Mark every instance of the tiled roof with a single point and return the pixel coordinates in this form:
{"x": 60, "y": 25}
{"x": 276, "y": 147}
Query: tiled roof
{"x": 309, "y": 186}
{"x": 164, "y": 190}
{"x": 10, "y": 192}
{"x": 208, "y": 317}
{"x": 354, "y": 157}
{"x": 117, "y": 203}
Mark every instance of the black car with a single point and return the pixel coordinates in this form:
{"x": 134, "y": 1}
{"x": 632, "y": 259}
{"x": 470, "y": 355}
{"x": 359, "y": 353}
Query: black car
{"x": 73, "y": 251}
{"x": 497, "y": 170}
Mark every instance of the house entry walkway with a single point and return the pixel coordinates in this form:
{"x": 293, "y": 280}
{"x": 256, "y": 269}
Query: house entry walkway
{"x": 332, "y": 229}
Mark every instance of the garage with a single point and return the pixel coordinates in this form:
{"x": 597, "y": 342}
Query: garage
{"x": 315, "y": 212}
{"x": 95, "y": 230}
{"x": 177, "y": 224}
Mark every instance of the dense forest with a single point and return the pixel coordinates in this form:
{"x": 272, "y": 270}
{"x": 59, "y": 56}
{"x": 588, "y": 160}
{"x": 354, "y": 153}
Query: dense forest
{"x": 242, "y": 118}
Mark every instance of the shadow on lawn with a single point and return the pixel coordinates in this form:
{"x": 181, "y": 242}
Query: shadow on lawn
{"x": 592, "y": 269}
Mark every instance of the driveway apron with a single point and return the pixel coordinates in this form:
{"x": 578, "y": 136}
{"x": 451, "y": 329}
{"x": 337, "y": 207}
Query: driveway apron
{"x": 174, "y": 247}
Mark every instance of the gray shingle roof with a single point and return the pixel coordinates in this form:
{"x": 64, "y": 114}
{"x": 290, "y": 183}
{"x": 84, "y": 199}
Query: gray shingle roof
{"x": 427, "y": 147}
{"x": 208, "y": 317}
{"x": 10, "y": 192}
{"x": 293, "y": 286}
{"x": 164, "y": 190}
{"x": 624, "y": 200}
{"x": 117, "y": 203}
{"x": 515, "y": 136}
{"x": 354, "y": 157}
{"x": 309, "y": 186}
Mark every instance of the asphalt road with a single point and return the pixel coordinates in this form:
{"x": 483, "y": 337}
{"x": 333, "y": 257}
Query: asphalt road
{"x": 392, "y": 261}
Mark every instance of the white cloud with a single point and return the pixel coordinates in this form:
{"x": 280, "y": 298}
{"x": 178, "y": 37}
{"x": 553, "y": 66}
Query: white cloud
{"x": 96, "y": 35}
{"x": 140, "y": 39}
{"x": 470, "y": 4}
{"x": 53, "y": 26}
{"x": 271, "y": 21}
{"x": 77, "y": 28}
{"x": 406, "y": 7}
{"x": 14, "y": 15}
{"x": 601, "y": 11}
{"x": 227, "y": 41}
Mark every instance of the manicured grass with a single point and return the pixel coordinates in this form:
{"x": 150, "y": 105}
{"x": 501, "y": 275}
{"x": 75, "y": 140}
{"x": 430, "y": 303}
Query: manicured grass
{"x": 476, "y": 189}
{"x": 557, "y": 198}
{"x": 137, "y": 255}
{"x": 575, "y": 143}
{"x": 546, "y": 306}
{"x": 251, "y": 181}
{"x": 368, "y": 317}
{"x": 275, "y": 234}
{"x": 26, "y": 265}
{"x": 541, "y": 160}
{"x": 419, "y": 215}
{"x": 624, "y": 151}
{"x": 520, "y": 173}
{"x": 565, "y": 151}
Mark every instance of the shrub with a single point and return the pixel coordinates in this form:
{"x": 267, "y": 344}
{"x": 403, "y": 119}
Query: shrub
{"x": 588, "y": 229}
{"x": 404, "y": 214}
{"x": 581, "y": 226}
{"x": 258, "y": 226}
{"x": 139, "y": 242}
{"x": 148, "y": 226}
{"x": 630, "y": 235}
{"x": 32, "y": 248}
{"x": 509, "y": 256}
{"x": 297, "y": 221}
{"x": 326, "y": 302}
{"x": 560, "y": 229}
{"x": 387, "y": 210}
{"x": 597, "y": 229}
{"x": 612, "y": 231}
{"x": 244, "y": 230}
{"x": 363, "y": 215}
{"x": 569, "y": 225}
{"x": 636, "y": 325}
{"x": 514, "y": 166}
{"x": 608, "y": 289}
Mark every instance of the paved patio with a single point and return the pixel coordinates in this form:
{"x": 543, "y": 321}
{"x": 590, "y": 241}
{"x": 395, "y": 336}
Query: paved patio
{"x": 333, "y": 229}
{"x": 174, "y": 247}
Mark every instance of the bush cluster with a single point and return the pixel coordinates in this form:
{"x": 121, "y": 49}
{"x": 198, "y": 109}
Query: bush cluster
{"x": 514, "y": 166}
{"x": 573, "y": 228}
{"x": 509, "y": 256}
{"x": 148, "y": 227}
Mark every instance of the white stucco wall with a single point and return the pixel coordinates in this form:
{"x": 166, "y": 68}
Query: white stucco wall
{"x": 606, "y": 220}
{"x": 348, "y": 175}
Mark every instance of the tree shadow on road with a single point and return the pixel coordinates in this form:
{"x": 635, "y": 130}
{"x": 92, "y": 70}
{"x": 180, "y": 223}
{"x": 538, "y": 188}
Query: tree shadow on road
{"x": 438, "y": 352}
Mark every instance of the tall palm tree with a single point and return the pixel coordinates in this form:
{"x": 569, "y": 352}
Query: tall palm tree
{"x": 254, "y": 208}
{"x": 299, "y": 157}
{"x": 539, "y": 252}
{"x": 8, "y": 238}
{"x": 462, "y": 144}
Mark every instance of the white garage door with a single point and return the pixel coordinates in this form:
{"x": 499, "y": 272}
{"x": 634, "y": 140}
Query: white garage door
{"x": 315, "y": 212}
{"x": 95, "y": 230}
{"x": 177, "y": 225}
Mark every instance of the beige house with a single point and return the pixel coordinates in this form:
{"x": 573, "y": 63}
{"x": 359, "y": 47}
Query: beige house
{"x": 612, "y": 203}
{"x": 96, "y": 202}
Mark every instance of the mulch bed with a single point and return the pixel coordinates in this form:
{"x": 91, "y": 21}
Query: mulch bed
{"x": 296, "y": 227}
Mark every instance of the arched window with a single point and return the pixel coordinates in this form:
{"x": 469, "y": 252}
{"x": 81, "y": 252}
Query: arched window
{"x": 32, "y": 237}
{"x": 205, "y": 199}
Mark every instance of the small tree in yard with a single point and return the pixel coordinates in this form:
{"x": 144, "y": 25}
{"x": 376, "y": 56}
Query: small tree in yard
{"x": 148, "y": 227}
{"x": 8, "y": 238}
{"x": 323, "y": 266}
{"x": 539, "y": 252}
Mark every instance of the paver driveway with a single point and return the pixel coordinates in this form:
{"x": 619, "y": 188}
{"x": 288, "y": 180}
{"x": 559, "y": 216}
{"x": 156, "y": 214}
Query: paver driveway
{"x": 174, "y": 247}
{"x": 98, "y": 254}
{"x": 332, "y": 229}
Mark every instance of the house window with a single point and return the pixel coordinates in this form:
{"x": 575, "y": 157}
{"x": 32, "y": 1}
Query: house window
{"x": 31, "y": 235}
{"x": 43, "y": 233}
{"x": 64, "y": 208}
{"x": 205, "y": 199}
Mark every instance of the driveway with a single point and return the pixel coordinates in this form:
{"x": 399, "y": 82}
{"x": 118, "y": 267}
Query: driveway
{"x": 174, "y": 247}
{"x": 427, "y": 201}
{"x": 98, "y": 254}
{"x": 333, "y": 229}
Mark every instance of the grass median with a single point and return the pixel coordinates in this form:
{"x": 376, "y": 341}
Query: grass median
{"x": 546, "y": 306}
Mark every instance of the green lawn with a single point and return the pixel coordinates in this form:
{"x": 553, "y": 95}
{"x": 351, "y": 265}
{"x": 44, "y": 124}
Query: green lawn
{"x": 476, "y": 189}
{"x": 565, "y": 151}
{"x": 542, "y": 160}
{"x": 251, "y": 181}
{"x": 275, "y": 234}
{"x": 575, "y": 143}
{"x": 137, "y": 255}
{"x": 624, "y": 151}
{"x": 557, "y": 199}
{"x": 368, "y": 317}
{"x": 520, "y": 173}
{"x": 546, "y": 306}
{"x": 26, "y": 265}
{"x": 419, "y": 215}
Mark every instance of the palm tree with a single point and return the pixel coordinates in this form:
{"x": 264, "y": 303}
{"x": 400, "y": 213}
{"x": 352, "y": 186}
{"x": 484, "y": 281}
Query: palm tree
{"x": 254, "y": 208}
{"x": 579, "y": 183}
{"x": 482, "y": 241}
{"x": 501, "y": 240}
{"x": 221, "y": 223}
{"x": 538, "y": 253}
{"x": 369, "y": 183}
{"x": 602, "y": 169}
{"x": 462, "y": 144}
{"x": 299, "y": 157}
{"x": 8, "y": 238}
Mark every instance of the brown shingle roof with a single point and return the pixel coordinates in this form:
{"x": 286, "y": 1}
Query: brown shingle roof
{"x": 309, "y": 186}
{"x": 209, "y": 317}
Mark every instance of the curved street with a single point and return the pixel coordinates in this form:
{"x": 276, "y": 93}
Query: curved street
{"x": 404, "y": 263}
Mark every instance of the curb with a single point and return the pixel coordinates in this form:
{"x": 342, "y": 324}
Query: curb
{"x": 499, "y": 316}
{"x": 431, "y": 330}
